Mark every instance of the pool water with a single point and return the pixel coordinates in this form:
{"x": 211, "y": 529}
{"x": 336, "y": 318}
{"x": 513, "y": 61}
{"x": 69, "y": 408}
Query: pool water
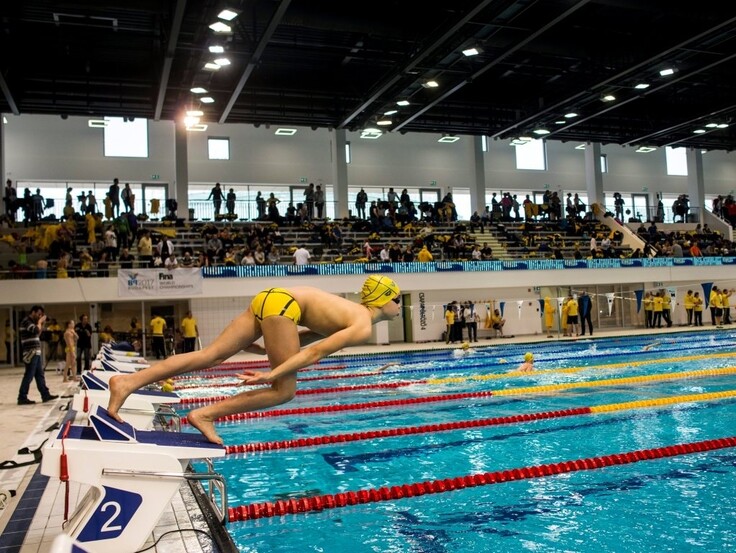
{"x": 678, "y": 503}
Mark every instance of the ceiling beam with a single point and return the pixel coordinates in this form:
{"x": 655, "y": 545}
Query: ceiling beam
{"x": 256, "y": 57}
{"x": 8, "y": 95}
{"x": 163, "y": 83}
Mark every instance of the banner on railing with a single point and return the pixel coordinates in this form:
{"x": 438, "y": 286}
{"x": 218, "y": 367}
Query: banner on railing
{"x": 159, "y": 282}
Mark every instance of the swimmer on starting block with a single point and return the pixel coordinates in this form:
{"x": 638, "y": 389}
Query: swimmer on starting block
{"x": 274, "y": 314}
{"x": 528, "y": 365}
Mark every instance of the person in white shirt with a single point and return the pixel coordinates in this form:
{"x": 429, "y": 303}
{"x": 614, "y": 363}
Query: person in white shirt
{"x": 301, "y": 256}
{"x": 171, "y": 262}
{"x": 384, "y": 254}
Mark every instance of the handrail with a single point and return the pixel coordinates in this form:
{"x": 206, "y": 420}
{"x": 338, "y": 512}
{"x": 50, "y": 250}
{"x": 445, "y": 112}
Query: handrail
{"x": 213, "y": 479}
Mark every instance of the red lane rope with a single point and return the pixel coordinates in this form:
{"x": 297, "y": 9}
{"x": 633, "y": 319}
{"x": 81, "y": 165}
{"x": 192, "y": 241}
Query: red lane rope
{"x": 389, "y": 493}
{"x": 336, "y": 390}
{"x": 391, "y": 432}
{"x": 347, "y": 407}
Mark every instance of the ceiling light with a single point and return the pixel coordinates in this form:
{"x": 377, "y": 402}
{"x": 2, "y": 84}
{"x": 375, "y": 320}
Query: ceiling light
{"x": 384, "y": 122}
{"x": 517, "y": 142}
{"x": 402, "y": 103}
{"x": 699, "y": 131}
{"x": 711, "y": 125}
{"x": 608, "y": 98}
{"x": 217, "y": 49}
{"x": 667, "y": 72}
{"x": 207, "y": 100}
{"x": 449, "y": 139}
{"x": 430, "y": 84}
{"x": 285, "y": 131}
{"x": 227, "y": 14}
{"x": 722, "y": 125}
{"x": 222, "y": 62}
{"x": 195, "y": 113}
{"x": 198, "y": 90}
{"x": 641, "y": 86}
{"x": 560, "y": 122}
{"x": 391, "y": 112}
{"x": 94, "y": 123}
{"x": 211, "y": 66}
{"x": 570, "y": 115}
{"x": 473, "y": 51}
{"x": 525, "y": 138}
{"x": 540, "y": 131}
{"x": 371, "y": 134}
{"x": 645, "y": 149}
{"x": 221, "y": 27}
{"x": 580, "y": 147}
{"x": 197, "y": 127}
{"x": 190, "y": 120}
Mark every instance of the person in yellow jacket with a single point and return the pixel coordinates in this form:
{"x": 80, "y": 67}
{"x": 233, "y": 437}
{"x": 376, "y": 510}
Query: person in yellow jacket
{"x": 657, "y": 303}
{"x": 715, "y": 307}
{"x": 689, "y": 305}
{"x": 563, "y": 317}
{"x": 450, "y": 322}
{"x": 549, "y": 315}
{"x": 667, "y": 308}
{"x": 190, "y": 331}
{"x": 158, "y": 325}
{"x": 726, "y": 306}
{"x": 424, "y": 255}
{"x": 698, "y": 309}
{"x": 648, "y": 311}
{"x": 572, "y": 316}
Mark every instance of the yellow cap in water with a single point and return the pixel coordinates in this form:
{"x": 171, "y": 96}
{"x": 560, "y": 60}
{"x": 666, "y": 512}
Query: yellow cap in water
{"x": 528, "y": 357}
{"x": 378, "y": 290}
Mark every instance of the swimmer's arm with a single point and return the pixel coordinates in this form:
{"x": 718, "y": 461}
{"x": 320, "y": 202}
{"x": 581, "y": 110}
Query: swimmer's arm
{"x": 386, "y": 366}
{"x": 350, "y": 336}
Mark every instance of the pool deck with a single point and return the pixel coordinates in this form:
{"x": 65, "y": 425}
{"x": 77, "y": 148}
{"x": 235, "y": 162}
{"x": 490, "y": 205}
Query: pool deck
{"x": 30, "y": 521}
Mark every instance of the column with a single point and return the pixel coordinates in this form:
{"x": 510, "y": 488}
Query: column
{"x": 181, "y": 159}
{"x": 339, "y": 173}
{"x": 478, "y": 186}
{"x": 593, "y": 173}
{"x": 695, "y": 184}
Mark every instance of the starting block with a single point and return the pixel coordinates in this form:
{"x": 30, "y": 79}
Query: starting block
{"x": 117, "y": 366}
{"x": 132, "y": 476}
{"x": 140, "y": 407}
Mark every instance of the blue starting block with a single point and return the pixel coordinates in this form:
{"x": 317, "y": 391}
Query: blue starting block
{"x": 132, "y": 476}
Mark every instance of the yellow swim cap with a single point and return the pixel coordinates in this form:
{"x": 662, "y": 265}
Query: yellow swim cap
{"x": 167, "y": 387}
{"x": 528, "y": 357}
{"x": 378, "y": 291}
{"x": 465, "y": 345}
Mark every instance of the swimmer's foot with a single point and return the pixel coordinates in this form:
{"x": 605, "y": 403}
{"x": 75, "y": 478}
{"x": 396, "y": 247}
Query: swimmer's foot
{"x": 205, "y": 425}
{"x": 119, "y": 392}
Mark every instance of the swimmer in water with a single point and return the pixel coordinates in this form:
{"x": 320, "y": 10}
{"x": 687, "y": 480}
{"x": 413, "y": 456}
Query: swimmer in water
{"x": 528, "y": 365}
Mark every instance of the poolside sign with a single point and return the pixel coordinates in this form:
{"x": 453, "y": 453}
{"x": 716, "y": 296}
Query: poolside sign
{"x": 159, "y": 282}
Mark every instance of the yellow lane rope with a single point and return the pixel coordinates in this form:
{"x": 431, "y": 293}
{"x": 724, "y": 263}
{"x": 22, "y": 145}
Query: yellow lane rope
{"x": 569, "y": 370}
{"x": 614, "y": 381}
{"x": 658, "y": 402}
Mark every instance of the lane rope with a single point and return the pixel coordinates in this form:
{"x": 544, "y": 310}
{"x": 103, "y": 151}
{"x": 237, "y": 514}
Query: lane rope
{"x": 392, "y": 493}
{"x": 477, "y": 423}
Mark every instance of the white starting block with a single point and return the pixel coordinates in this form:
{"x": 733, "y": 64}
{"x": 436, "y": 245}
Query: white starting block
{"x": 107, "y": 356}
{"x": 139, "y": 409}
{"x": 117, "y": 366}
{"x": 132, "y": 474}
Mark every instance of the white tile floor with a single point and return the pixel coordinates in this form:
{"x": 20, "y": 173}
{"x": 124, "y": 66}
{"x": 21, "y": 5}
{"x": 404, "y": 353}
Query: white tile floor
{"x": 29, "y": 426}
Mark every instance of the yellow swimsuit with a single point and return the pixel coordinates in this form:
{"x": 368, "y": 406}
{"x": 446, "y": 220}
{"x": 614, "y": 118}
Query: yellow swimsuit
{"x": 276, "y": 302}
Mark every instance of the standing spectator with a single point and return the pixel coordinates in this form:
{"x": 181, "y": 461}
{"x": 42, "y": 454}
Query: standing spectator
{"x": 272, "y": 206}
{"x": 689, "y": 305}
{"x": 309, "y": 200}
{"x": 230, "y": 203}
{"x": 114, "y": 193}
{"x": 424, "y": 255}
{"x": 91, "y": 203}
{"x": 70, "y": 348}
{"x": 667, "y": 308}
{"x": 549, "y": 315}
{"x": 216, "y": 196}
{"x": 127, "y": 197}
{"x": 714, "y": 303}
{"x": 471, "y": 322}
{"x": 449, "y": 322}
{"x": 572, "y": 316}
{"x": 319, "y": 201}
{"x": 698, "y": 309}
{"x": 38, "y": 206}
{"x": 111, "y": 243}
{"x": 145, "y": 249}
{"x": 158, "y": 325}
{"x": 260, "y": 206}
{"x": 11, "y": 199}
{"x": 301, "y": 256}
{"x": 586, "y": 311}
{"x": 30, "y": 331}
{"x": 190, "y": 331}
{"x": 726, "y": 306}
{"x": 84, "y": 344}
{"x": 360, "y": 202}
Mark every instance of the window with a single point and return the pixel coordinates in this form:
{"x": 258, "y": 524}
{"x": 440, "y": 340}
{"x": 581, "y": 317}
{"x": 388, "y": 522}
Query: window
{"x": 531, "y": 155}
{"x": 126, "y": 137}
{"x": 604, "y": 163}
{"x": 676, "y": 161}
{"x": 218, "y": 148}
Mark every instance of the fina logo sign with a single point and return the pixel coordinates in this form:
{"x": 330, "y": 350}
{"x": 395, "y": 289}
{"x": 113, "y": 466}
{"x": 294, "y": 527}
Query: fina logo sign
{"x": 154, "y": 282}
{"x": 135, "y": 282}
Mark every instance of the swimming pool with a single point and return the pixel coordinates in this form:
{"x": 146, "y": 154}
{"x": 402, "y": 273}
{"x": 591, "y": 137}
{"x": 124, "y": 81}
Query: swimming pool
{"x": 422, "y": 457}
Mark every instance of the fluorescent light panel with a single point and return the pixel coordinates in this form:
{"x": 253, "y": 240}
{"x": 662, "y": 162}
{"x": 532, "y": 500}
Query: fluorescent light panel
{"x": 642, "y": 86}
{"x": 645, "y": 149}
{"x": 448, "y": 139}
{"x": 222, "y": 62}
{"x": 371, "y": 134}
{"x": 198, "y": 90}
{"x": 227, "y": 14}
{"x": 667, "y": 72}
{"x": 214, "y": 49}
{"x": 391, "y": 112}
{"x": 207, "y": 100}
{"x": 430, "y": 84}
{"x": 211, "y": 66}
{"x": 220, "y": 27}
{"x": 402, "y": 103}
{"x": 384, "y": 122}
{"x": 94, "y": 123}
{"x": 285, "y": 131}
{"x": 474, "y": 51}
{"x": 197, "y": 127}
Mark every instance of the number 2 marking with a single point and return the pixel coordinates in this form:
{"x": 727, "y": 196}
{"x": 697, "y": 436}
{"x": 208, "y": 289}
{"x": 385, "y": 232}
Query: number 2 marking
{"x": 115, "y": 506}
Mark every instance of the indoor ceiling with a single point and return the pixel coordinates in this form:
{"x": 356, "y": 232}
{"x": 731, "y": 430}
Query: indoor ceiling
{"x": 345, "y": 64}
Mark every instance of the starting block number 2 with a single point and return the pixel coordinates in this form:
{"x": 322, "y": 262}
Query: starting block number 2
{"x": 112, "y": 515}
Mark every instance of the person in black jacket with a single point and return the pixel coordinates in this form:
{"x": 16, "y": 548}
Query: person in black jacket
{"x": 30, "y": 332}
{"x": 586, "y": 310}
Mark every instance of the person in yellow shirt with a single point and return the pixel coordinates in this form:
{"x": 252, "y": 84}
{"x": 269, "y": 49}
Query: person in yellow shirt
{"x": 648, "y": 311}
{"x": 158, "y": 325}
{"x": 190, "y": 331}
{"x": 715, "y": 307}
{"x": 563, "y": 317}
{"x": 726, "y": 306}
{"x": 698, "y": 309}
{"x": 450, "y": 321}
{"x": 497, "y": 322}
{"x": 667, "y": 308}
{"x": 572, "y": 316}
{"x": 689, "y": 305}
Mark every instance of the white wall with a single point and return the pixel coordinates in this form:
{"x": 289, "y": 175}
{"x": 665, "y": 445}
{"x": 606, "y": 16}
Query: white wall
{"x": 39, "y": 147}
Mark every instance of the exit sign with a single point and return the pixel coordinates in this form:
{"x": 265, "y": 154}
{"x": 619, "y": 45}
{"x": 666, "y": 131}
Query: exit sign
{"x": 433, "y": 183}
{"x": 155, "y": 177}
{"x": 302, "y": 179}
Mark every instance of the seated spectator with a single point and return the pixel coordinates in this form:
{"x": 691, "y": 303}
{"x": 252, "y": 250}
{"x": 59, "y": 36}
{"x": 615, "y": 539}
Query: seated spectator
{"x": 171, "y": 262}
{"x": 126, "y": 259}
{"x": 187, "y": 260}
